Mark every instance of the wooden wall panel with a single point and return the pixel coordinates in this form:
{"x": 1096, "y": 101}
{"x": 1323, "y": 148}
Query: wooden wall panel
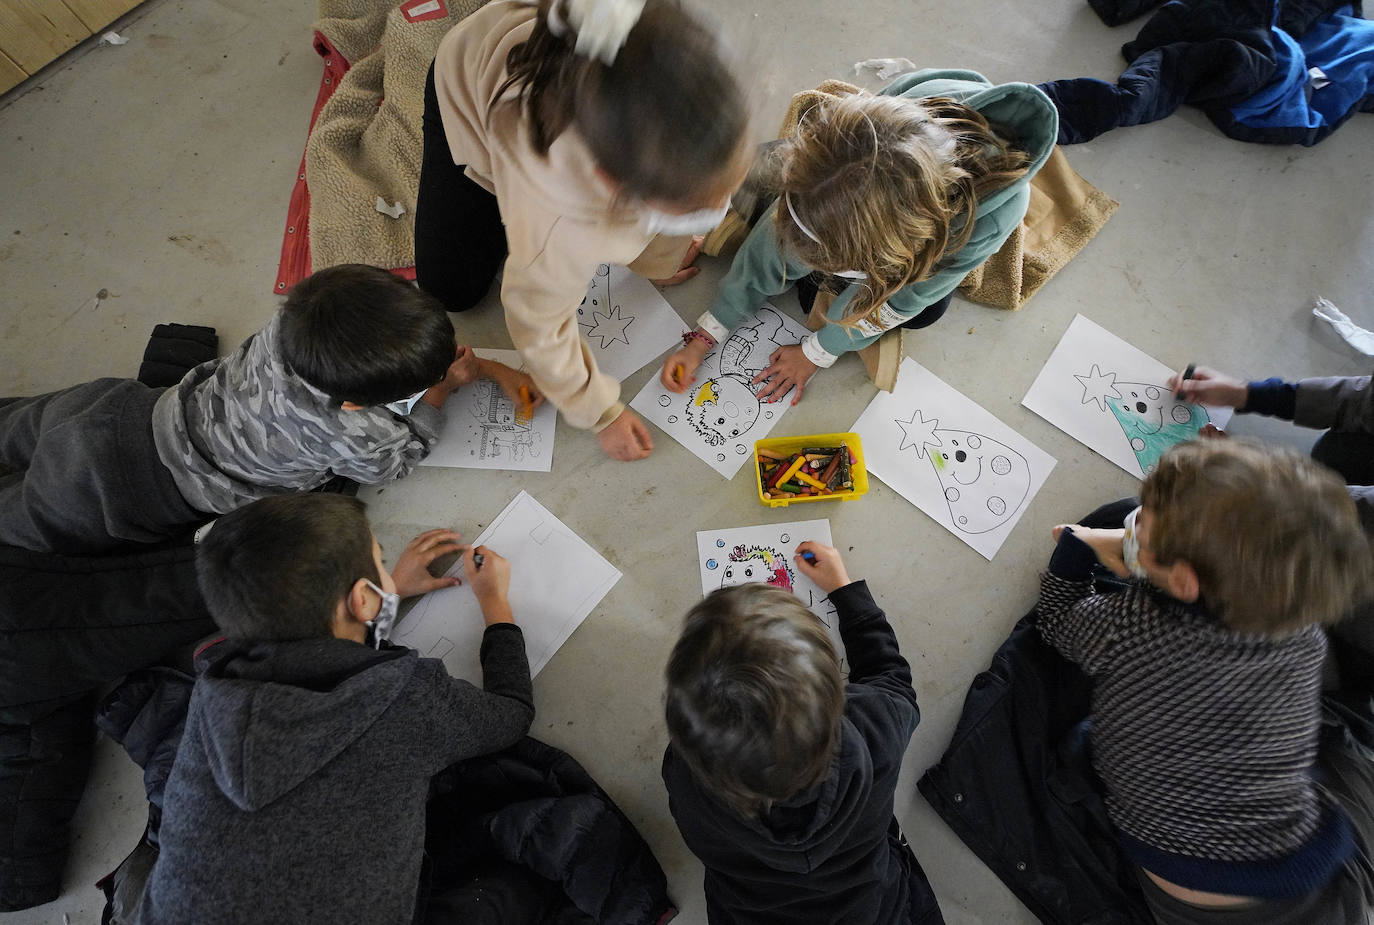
{"x": 97, "y": 14}
{"x": 34, "y": 32}
{"x": 11, "y": 74}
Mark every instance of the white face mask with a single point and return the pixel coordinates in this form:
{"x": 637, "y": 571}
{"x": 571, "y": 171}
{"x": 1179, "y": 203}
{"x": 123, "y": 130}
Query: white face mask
{"x": 787, "y": 204}
{"x": 404, "y": 406}
{"x": 386, "y": 616}
{"x": 1130, "y": 546}
{"x": 699, "y": 222}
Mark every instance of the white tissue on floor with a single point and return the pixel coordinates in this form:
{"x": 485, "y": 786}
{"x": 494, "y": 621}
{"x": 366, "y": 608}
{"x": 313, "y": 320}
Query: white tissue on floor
{"x": 887, "y": 68}
{"x": 113, "y": 38}
{"x": 395, "y": 211}
{"x": 1352, "y": 333}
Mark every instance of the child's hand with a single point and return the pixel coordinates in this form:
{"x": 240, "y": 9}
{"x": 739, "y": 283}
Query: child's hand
{"x": 1105, "y": 544}
{"x": 686, "y": 271}
{"x": 465, "y": 368}
{"x": 626, "y": 439}
{"x": 411, "y": 572}
{"x": 490, "y": 582}
{"x": 679, "y": 371}
{"x": 517, "y": 386}
{"x": 827, "y": 569}
{"x": 1209, "y": 387}
{"x": 788, "y": 368}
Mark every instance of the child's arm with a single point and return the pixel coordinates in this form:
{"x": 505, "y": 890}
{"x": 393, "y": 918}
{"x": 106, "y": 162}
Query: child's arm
{"x": 1343, "y": 403}
{"x": 512, "y": 382}
{"x": 1073, "y": 619}
{"x": 761, "y": 269}
{"x": 870, "y": 644}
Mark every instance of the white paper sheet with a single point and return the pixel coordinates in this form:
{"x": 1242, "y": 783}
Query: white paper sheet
{"x": 766, "y": 554}
{"x": 483, "y": 429}
{"x": 952, "y": 459}
{"x": 720, "y": 417}
{"x": 626, "y": 322}
{"x": 1111, "y": 397}
{"x": 556, "y": 580}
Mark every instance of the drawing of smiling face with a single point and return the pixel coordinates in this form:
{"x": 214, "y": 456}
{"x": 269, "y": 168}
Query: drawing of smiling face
{"x": 756, "y": 564}
{"x": 1153, "y": 420}
{"x": 722, "y": 409}
{"x": 984, "y": 481}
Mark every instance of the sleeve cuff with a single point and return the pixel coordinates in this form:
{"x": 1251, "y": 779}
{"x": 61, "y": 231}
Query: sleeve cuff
{"x": 426, "y": 421}
{"x": 1273, "y": 397}
{"x": 1073, "y": 559}
{"x": 811, "y": 347}
{"x": 708, "y": 323}
{"x": 607, "y": 417}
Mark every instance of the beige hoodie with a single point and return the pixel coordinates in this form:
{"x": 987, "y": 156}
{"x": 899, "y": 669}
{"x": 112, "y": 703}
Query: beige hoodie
{"x": 561, "y": 220}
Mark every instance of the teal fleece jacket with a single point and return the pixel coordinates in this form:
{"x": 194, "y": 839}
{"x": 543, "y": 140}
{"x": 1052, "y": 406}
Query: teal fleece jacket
{"x": 764, "y": 268}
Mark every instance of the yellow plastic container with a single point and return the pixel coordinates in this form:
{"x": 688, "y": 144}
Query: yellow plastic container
{"x": 789, "y": 445}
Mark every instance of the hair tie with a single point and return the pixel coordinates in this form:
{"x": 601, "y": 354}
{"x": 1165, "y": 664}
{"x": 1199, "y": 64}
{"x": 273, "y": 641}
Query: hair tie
{"x": 602, "y": 26}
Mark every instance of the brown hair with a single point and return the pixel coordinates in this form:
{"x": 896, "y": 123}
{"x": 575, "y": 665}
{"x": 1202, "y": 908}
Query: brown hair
{"x": 890, "y": 186}
{"x": 1274, "y": 537}
{"x": 663, "y": 121}
{"x": 754, "y": 697}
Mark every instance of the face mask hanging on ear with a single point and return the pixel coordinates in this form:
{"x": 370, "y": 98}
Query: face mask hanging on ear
{"x": 1130, "y": 546}
{"x": 787, "y": 204}
{"x": 386, "y": 616}
{"x": 405, "y": 405}
{"x": 699, "y": 222}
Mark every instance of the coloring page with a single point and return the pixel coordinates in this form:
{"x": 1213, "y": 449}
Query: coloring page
{"x": 951, "y": 458}
{"x": 740, "y": 555}
{"x": 1111, "y": 397}
{"x": 484, "y": 429}
{"x": 556, "y": 580}
{"x": 626, "y": 322}
{"x": 720, "y": 417}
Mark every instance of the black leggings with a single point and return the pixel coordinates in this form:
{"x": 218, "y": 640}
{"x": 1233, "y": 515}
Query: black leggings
{"x": 460, "y": 242}
{"x": 809, "y": 286}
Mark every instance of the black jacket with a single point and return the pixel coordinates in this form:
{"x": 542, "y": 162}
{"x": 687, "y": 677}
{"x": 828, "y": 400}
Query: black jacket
{"x": 834, "y": 855}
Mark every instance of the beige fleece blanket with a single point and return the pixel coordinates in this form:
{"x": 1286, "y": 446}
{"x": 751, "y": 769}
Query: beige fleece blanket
{"x": 366, "y": 141}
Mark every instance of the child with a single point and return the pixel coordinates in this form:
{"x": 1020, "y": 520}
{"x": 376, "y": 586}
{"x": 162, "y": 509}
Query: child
{"x": 893, "y": 199}
{"x": 594, "y": 131}
{"x": 349, "y": 378}
{"x": 1344, "y": 405}
{"x": 781, "y": 776}
{"x": 298, "y": 793}
{"x": 1207, "y": 682}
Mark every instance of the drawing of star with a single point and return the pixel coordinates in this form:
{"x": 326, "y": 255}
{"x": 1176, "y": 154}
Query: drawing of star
{"x": 610, "y": 327}
{"x": 918, "y": 433}
{"x": 1098, "y": 387}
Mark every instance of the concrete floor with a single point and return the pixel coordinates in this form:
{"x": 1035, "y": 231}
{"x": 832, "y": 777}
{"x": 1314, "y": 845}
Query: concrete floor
{"x": 159, "y": 172}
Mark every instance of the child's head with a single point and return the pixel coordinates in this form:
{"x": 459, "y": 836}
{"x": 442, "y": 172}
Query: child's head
{"x": 364, "y": 335}
{"x": 1267, "y": 538}
{"x": 666, "y": 121}
{"x": 887, "y": 187}
{"x": 754, "y": 696}
{"x": 298, "y": 566}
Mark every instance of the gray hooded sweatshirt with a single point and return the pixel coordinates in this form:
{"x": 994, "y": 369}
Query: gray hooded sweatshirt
{"x": 298, "y": 794}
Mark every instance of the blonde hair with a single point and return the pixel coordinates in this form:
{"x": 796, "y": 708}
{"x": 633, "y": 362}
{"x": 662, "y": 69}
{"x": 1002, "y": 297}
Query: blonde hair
{"x": 754, "y": 697}
{"x": 1274, "y": 537}
{"x": 890, "y": 186}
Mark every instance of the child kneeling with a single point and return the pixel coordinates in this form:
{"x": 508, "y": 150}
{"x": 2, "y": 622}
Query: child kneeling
{"x": 780, "y": 775}
{"x": 1207, "y": 685}
{"x": 298, "y": 793}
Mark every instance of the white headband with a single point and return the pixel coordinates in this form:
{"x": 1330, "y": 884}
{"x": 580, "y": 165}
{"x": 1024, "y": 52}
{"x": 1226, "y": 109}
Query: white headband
{"x": 602, "y": 26}
{"x": 787, "y": 204}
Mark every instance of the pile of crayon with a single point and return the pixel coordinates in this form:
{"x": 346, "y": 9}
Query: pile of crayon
{"x": 815, "y": 470}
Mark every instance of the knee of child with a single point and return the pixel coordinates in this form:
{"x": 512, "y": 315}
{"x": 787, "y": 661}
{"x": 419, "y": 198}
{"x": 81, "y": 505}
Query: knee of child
{"x": 755, "y": 697}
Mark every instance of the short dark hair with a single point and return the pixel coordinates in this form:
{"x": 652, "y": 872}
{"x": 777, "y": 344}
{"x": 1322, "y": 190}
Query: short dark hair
{"x": 364, "y": 335}
{"x": 754, "y": 697}
{"x": 1273, "y": 536}
{"x": 276, "y": 569}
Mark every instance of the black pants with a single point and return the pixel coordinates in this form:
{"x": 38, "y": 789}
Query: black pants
{"x": 809, "y": 286}
{"x": 1352, "y": 455}
{"x": 460, "y": 242}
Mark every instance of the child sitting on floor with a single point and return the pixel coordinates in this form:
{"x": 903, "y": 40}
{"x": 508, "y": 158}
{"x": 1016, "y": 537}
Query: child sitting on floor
{"x": 1207, "y": 681}
{"x": 893, "y": 199}
{"x": 298, "y": 792}
{"x": 780, "y": 775}
{"x": 349, "y": 378}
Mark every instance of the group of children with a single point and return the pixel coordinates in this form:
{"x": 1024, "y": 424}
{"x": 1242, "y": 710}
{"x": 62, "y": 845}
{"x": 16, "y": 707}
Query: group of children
{"x": 560, "y": 134}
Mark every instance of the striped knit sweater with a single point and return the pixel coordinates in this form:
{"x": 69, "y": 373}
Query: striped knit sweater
{"x": 1204, "y": 738}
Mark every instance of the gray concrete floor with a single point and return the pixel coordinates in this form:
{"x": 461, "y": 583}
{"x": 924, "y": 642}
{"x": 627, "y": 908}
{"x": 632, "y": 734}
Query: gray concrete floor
{"x": 159, "y": 171}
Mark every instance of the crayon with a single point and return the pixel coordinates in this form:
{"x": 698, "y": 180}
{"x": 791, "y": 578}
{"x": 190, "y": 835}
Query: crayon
{"x": 679, "y": 372}
{"x": 830, "y": 470}
{"x": 790, "y": 489}
{"x": 810, "y": 557}
{"x": 1187, "y": 374}
{"x": 771, "y": 454}
{"x": 477, "y": 560}
{"x": 808, "y": 480}
{"x": 526, "y": 401}
{"x": 793, "y": 469}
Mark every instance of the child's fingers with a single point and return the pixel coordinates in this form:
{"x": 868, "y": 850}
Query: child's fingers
{"x": 797, "y": 397}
